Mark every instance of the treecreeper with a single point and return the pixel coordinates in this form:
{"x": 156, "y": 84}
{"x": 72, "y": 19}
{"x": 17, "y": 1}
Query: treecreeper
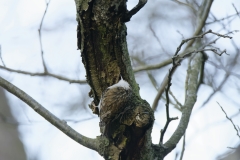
{"x": 124, "y": 117}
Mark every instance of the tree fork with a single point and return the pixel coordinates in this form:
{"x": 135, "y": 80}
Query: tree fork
{"x": 101, "y": 35}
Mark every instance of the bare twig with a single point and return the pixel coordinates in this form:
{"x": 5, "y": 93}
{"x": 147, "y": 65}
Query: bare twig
{"x": 191, "y": 95}
{"x": 178, "y": 103}
{"x": 185, "y": 4}
{"x": 176, "y": 106}
{"x": 226, "y": 77}
{"x": 179, "y": 57}
{"x": 216, "y": 90}
{"x": 61, "y": 125}
{"x": 176, "y": 61}
{"x": 225, "y": 18}
{"x": 168, "y": 61}
{"x": 158, "y": 40}
{"x": 45, "y": 74}
{"x": 183, "y": 147}
{"x": 171, "y": 71}
{"x": 198, "y": 37}
{"x": 40, "y": 36}
{"x": 155, "y": 66}
{"x": 160, "y": 92}
{"x": 1, "y": 55}
{"x": 237, "y": 13}
{"x": 150, "y": 76}
{"x": 133, "y": 11}
{"x": 203, "y": 12}
{"x": 230, "y": 120}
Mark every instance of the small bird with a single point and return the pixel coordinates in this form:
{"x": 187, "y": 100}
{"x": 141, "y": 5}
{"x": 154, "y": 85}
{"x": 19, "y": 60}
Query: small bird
{"x": 114, "y": 99}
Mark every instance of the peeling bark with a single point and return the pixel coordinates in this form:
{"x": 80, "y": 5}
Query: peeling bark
{"x": 101, "y": 34}
{"x": 101, "y": 37}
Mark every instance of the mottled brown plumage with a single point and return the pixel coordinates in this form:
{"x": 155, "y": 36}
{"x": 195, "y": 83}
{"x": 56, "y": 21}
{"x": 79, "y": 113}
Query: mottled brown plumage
{"x": 114, "y": 101}
{"x": 124, "y": 117}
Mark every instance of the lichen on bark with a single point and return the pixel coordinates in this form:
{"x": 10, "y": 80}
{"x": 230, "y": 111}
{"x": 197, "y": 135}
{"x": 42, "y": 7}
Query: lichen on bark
{"x": 101, "y": 35}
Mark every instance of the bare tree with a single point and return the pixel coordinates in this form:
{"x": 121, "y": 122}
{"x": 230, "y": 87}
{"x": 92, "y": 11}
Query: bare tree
{"x": 126, "y": 120}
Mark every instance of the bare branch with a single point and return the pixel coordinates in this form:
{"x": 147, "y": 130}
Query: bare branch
{"x": 1, "y": 56}
{"x": 227, "y": 75}
{"x": 189, "y": 103}
{"x": 44, "y": 74}
{"x": 185, "y": 4}
{"x": 176, "y": 61}
{"x": 178, "y": 103}
{"x": 158, "y": 40}
{"x": 168, "y": 61}
{"x": 133, "y": 11}
{"x": 151, "y": 67}
{"x": 230, "y": 120}
{"x": 61, "y": 125}
{"x": 179, "y": 57}
{"x": 40, "y": 36}
{"x": 237, "y": 13}
{"x": 227, "y": 17}
{"x": 160, "y": 92}
{"x": 199, "y": 37}
{"x": 201, "y": 19}
{"x": 183, "y": 147}
{"x": 150, "y": 76}
{"x": 217, "y": 89}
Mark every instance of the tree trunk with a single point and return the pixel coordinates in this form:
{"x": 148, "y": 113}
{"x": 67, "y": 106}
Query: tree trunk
{"x": 101, "y": 37}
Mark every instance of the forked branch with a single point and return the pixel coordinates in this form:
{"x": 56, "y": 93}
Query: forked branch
{"x": 191, "y": 88}
{"x": 133, "y": 11}
{"x": 235, "y": 126}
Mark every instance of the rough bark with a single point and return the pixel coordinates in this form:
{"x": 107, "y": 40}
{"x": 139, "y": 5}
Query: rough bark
{"x": 101, "y": 34}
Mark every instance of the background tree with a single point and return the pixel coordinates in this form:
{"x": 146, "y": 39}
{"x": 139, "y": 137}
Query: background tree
{"x": 201, "y": 16}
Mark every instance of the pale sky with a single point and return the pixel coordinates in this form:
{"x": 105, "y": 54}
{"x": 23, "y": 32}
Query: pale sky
{"x": 208, "y": 134}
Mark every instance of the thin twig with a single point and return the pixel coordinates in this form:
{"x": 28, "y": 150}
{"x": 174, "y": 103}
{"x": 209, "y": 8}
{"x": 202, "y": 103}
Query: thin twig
{"x": 171, "y": 71}
{"x": 61, "y": 125}
{"x": 40, "y": 36}
{"x": 230, "y": 120}
{"x": 1, "y": 55}
{"x": 160, "y": 92}
{"x": 186, "y": 4}
{"x": 199, "y": 37}
{"x": 179, "y": 57}
{"x": 176, "y": 61}
{"x": 216, "y": 90}
{"x": 178, "y": 103}
{"x": 133, "y": 11}
{"x": 168, "y": 61}
{"x": 158, "y": 40}
{"x": 154, "y": 66}
{"x": 150, "y": 76}
{"x": 222, "y": 19}
{"x": 237, "y": 13}
{"x": 44, "y": 74}
{"x": 183, "y": 147}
